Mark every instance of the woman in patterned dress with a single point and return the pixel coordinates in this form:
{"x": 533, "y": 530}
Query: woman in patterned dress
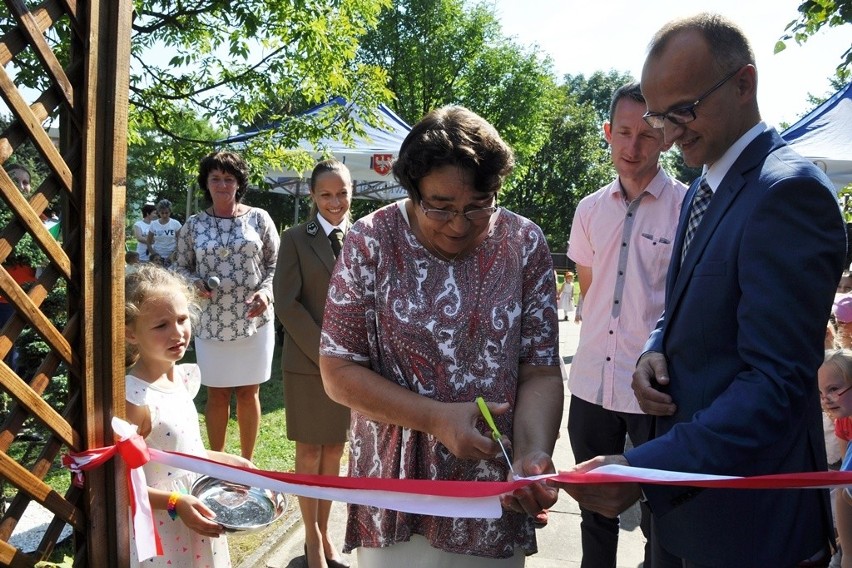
{"x": 435, "y": 300}
{"x": 238, "y": 246}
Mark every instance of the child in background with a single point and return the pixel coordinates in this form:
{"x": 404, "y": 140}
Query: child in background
{"x": 845, "y": 284}
{"x": 131, "y": 262}
{"x": 841, "y": 321}
{"x": 566, "y": 295}
{"x": 835, "y": 382}
{"x": 159, "y": 401}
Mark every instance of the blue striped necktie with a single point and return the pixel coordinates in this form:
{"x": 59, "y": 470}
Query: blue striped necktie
{"x": 700, "y": 203}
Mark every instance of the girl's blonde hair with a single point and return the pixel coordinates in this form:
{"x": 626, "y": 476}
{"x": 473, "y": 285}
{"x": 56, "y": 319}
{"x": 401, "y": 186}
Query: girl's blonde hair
{"x": 842, "y": 361}
{"x": 152, "y": 281}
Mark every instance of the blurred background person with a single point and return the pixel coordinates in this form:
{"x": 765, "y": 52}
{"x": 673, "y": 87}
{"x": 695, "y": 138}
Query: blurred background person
{"x": 316, "y": 423}
{"x": 840, "y": 322}
{"x": 18, "y": 266}
{"x": 162, "y": 235}
{"x": 835, "y": 381}
{"x": 229, "y": 251}
{"x": 435, "y": 300}
{"x": 141, "y": 228}
{"x": 566, "y": 296}
{"x": 845, "y": 284}
{"x": 22, "y": 178}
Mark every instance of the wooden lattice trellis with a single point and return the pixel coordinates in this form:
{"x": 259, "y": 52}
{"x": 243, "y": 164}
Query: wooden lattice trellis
{"x": 81, "y": 51}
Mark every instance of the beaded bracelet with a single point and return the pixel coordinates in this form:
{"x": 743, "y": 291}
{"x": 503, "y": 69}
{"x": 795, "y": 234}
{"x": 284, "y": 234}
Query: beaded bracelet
{"x": 171, "y": 508}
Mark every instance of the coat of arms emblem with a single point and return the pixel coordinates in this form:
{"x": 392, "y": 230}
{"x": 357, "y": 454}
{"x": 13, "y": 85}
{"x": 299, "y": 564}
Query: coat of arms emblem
{"x": 382, "y": 163}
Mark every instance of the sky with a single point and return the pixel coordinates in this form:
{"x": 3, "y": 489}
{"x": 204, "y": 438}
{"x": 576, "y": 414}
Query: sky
{"x": 584, "y": 37}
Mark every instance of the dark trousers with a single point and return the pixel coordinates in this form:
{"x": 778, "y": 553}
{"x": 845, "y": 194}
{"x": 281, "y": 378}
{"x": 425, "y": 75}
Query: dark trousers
{"x": 595, "y": 431}
{"x": 662, "y": 558}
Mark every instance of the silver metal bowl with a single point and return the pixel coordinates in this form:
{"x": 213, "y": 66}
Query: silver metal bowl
{"x": 239, "y": 508}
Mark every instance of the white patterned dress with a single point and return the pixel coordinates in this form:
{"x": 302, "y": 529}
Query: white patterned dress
{"x": 174, "y": 428}
{"x": 233, "y": 349}
{"x": 450, "y": 331}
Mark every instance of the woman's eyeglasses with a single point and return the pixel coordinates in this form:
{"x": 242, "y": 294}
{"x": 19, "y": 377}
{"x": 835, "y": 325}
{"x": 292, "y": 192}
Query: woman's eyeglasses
{"x": 444, "y": 215}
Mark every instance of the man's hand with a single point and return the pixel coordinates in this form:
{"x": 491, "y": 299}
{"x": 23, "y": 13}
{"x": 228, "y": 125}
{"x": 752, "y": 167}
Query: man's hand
{"x": 607, "y": 499}
{"x": 652, "y": 371}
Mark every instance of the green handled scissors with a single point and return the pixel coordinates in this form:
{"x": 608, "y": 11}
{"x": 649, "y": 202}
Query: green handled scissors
{"x": 495, "y": 433}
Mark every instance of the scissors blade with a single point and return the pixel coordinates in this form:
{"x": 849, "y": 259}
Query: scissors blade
{"x": 506, "y": 455}
{"x": 495, "y": 433}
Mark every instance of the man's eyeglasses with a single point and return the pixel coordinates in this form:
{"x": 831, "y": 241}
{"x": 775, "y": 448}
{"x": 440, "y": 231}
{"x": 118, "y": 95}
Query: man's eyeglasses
{"x": 445, "y": 215}
{"x": 834, "y": 393}
{"x": 685, "y": 114}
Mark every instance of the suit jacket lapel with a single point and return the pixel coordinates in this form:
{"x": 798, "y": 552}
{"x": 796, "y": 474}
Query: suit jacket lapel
{"x": 723, "y": 199}
{"x": 322, "y": 246}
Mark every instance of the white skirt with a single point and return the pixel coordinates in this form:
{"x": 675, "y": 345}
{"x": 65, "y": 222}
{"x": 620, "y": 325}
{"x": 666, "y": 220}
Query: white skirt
{"x": 245, "y": 361}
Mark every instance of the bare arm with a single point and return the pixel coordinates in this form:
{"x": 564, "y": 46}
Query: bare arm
{"x": 538, "y": 412}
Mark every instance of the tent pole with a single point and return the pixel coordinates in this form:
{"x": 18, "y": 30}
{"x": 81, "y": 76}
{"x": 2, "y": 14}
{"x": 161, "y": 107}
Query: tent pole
{"x": 296, "y": 203}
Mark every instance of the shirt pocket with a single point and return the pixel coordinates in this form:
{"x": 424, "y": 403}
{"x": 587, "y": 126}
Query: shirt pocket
{"x": 654, "y": 248}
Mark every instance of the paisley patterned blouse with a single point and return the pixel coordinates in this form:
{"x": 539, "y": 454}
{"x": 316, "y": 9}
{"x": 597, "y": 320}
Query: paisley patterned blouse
{"x": 241, "y": 252}
{"x": 448, "y": 330}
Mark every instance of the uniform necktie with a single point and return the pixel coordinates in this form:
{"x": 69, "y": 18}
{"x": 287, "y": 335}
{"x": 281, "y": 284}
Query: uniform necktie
{"x": 700, "y": 203}
{"x": 336, "y": 239}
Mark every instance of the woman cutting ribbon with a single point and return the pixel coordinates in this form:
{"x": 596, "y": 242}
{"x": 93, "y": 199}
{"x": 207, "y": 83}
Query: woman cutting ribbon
{"x": 435, "y": 300}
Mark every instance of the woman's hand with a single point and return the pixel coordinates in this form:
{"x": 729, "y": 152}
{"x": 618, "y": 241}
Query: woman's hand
{"x": 257, "y": 304}
{"x": 197, "y": 516}
{"x": 457, "y": 426}
{"x": 202, "y": 289}
{"x": 535, "y": 498}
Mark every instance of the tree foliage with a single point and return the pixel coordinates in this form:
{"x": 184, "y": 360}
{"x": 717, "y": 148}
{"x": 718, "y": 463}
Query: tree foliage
{"x": 571, "y": 164}
{"x": 164, "y": 167}
{"x": 516, "y": 91}
{"x": 426, "y": 47}
{"x": 813, "y": 16}
{"x": 247, "y": 62}
{"x": 440, "y": 52}
{"x": 234, "y": 64}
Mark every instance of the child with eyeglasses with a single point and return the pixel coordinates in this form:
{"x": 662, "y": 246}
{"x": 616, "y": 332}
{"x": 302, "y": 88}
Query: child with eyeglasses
{"x": 835, "y": 382}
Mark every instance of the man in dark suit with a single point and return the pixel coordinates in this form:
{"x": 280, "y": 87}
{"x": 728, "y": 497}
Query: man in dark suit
{"x": 730, "y": 370}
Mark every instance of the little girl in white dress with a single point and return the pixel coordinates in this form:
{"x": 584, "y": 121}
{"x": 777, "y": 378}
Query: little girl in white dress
{"x": 159, "y": 397}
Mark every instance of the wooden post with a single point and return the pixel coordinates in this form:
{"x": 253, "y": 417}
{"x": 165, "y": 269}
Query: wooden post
{"x": 102, "y": 188}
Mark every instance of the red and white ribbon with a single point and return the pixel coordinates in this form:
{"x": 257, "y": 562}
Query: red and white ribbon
{"x": 462, "y": 499}
{"x": 133, "y": 450}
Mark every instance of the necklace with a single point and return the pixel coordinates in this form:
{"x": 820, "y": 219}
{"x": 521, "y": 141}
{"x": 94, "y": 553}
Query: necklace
{"x": 437, "y": 251}
{"x": 223, "y": 251}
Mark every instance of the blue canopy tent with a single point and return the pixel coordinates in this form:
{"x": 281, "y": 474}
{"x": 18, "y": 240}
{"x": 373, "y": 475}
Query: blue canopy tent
{"x": 824, "y": 136}
{"x": 369, "y": 157}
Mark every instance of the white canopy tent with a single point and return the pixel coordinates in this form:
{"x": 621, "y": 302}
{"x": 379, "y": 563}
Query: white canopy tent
{"x": 824, "y": 136}
{"x": 369, "y": 157}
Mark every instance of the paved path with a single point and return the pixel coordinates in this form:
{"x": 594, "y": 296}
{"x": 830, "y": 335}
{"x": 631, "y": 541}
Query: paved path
{"x": 558, "y": 543}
